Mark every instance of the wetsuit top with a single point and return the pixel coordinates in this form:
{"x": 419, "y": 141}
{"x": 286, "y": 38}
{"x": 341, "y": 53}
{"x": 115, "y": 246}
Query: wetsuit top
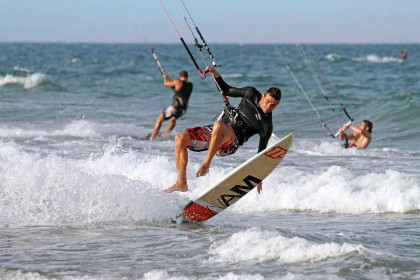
{"x": 254, "y": 120}
{"x": 181, "y": 97}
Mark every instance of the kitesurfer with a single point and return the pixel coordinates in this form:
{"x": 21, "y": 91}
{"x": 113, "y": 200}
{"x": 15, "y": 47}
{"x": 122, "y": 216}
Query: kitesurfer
{"x": 252, "y": 116}
{"x": 183, "y": 89}
{"x": 361, "y": 135}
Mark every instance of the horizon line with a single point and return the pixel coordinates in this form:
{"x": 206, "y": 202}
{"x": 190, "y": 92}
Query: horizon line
{"x": 216, "y": 43}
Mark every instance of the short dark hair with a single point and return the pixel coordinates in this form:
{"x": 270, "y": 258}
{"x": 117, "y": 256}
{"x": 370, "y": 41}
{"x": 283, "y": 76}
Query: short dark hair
{"x": 369, "y": 125}
{"x": 274, "y": 92}
{"x": 183, "y": 74}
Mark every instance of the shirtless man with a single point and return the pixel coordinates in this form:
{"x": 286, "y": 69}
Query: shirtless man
{"x": 225, "y": 136}
{"x": 182, "y": 89}
{"x": 361, "y": 135}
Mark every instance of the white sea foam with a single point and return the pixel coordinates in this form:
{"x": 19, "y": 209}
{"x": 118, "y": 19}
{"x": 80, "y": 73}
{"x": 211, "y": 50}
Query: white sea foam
{"x": 156, "y": 275}
{"x": 79, "y": 128}
{"x": 377, "y": 59}
{"x": 334, "y": 148}
{"x": 76, "y": 128}
{"x": 164, "y": 275}
{"x": 20, "y": 275}
{"x": 333, "y": 57}
{"x": 335, "y": 190}
{"x": 22, "y": 69}
{"x": 28, "y": 82}
{"x": 233, "y": 75}
{"x": 6, "y": 131}
{"x": 264, "y": 246}
{"x": 126, "y": 186}
{"x": 51, "y": 190}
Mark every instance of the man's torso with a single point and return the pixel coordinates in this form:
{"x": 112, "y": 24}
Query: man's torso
{"x": 255, "y": 120}
{"x": 181, "y": 96}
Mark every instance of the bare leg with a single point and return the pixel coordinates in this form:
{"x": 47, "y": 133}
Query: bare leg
{"x": 221, "y": 134}
{"x": 156, "y": 129}
{"x": 182, "y": 141}
{"x": 171, "y": 126}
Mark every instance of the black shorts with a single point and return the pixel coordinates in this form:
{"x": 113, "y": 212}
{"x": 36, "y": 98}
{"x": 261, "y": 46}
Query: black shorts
{"x": 171, "y": 111}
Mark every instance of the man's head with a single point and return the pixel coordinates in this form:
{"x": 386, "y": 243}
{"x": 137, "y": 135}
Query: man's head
{"x": 183, "y": 75}
{"x": 366, "y": 125}
{"x": 270, "y": 99}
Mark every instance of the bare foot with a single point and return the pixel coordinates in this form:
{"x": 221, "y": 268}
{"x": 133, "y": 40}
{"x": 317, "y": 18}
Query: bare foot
{"x": 204, "y": 170}
{"x": 178, "y": 187}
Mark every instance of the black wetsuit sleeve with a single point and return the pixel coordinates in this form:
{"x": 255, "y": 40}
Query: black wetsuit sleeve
{"x": 228, "y": 90}
{"x": 263, "y": 143}
{"x": 265, "y": 135}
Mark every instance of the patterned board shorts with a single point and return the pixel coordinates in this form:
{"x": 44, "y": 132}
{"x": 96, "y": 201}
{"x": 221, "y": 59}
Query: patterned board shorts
{"x": 200, "y": 141}
{"x": 170, "y": 112}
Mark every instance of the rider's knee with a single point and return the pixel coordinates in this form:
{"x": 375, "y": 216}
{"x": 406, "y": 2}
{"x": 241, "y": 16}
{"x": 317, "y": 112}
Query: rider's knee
{"x": 182, "y": 138}
{"x": 217, "y": 125}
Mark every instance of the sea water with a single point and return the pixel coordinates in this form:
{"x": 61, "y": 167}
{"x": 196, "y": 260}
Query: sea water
{"x": 81, "y": 197}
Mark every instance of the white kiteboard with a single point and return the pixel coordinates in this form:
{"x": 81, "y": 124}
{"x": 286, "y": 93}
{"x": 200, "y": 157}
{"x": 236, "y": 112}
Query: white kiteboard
{"x": 236, "y": 184}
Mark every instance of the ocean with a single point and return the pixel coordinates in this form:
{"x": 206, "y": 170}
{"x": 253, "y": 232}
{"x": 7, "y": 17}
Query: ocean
{"x": 81, "y": 197}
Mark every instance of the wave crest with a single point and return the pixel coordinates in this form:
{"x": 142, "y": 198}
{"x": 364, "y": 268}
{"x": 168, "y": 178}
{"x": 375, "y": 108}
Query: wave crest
{"x": 28, "y": 82}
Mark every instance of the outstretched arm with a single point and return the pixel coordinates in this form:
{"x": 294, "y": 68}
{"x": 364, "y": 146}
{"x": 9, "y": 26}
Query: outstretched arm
{"x": 223, "y": 86}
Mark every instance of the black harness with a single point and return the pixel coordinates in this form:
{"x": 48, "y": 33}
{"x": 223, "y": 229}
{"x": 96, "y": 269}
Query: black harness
{"x": 346, "y": 141}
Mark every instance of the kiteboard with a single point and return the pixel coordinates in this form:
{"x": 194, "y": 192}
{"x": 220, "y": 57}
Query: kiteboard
{"x": 236, "y": 184}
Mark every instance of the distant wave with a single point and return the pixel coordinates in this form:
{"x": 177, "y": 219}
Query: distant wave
{"x": 75, "y": 128}
{"x": 373, "y": 58}
{"x": 233, "y": 75}
{"x": 376, "y": 59}
{"x": 333, "y": 57}
{"x": 28, "y": 82}
{"x": 79, "y": 128}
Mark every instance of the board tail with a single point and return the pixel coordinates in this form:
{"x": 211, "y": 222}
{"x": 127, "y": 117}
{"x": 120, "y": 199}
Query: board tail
{"x": 194, "y": 213}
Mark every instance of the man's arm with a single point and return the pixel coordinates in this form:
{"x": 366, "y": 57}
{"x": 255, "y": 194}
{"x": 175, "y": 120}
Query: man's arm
{"x": 263, "y": 143}
{"x": 223, "y": 86}
{"x": 176, "y": 84}
{"x": 357, "y": 130}
{"x": 261, "y": 147}
{"x": 344, "y": 136}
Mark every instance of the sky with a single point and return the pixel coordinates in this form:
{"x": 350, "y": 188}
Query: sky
{"x": 220, "y": 21}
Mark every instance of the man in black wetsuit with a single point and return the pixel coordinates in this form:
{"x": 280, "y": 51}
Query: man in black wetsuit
{"x": 182, "y": 89}
{"x": 233, "y": 129}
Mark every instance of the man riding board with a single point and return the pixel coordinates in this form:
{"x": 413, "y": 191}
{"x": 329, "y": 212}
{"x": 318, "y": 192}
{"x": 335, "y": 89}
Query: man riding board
{"x": 232, "y": 130}
{"x": 361, "y": 135}
{"x": 182, "y": 89}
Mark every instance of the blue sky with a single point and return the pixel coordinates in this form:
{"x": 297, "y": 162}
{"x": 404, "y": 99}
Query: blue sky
{"x": 221, "y": 21}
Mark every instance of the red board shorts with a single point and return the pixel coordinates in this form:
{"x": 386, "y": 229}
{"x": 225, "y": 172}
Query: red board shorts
{"x": 200, "y": 141}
